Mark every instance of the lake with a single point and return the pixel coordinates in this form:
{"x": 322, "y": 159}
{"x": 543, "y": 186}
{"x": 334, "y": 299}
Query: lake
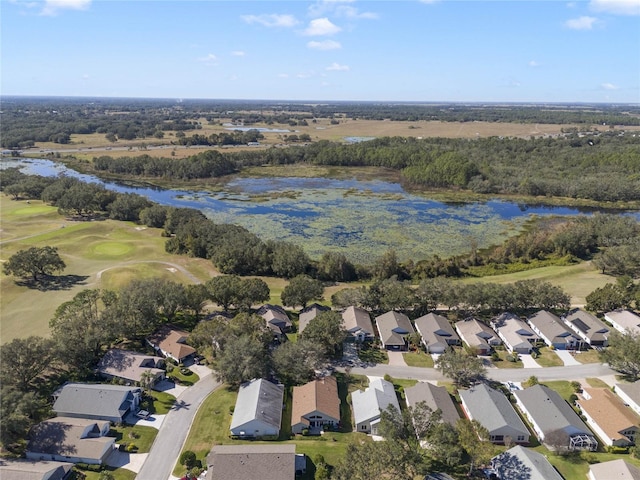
{"x": 359, "y": 218}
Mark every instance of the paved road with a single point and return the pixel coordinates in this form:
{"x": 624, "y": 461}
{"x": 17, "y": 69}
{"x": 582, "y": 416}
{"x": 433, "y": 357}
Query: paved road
{"x": 573, "y": 372}
{"x": 173, "y": 432}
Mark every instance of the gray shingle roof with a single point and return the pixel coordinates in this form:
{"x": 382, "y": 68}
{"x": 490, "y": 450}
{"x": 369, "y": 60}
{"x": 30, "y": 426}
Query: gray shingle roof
{"x": 370, "y": 403}
{"x": 13, "y": 469}
{"x": 491, "y": 408}
{"x": 551, "y": 327}
{"x": 355, "y": 319}
{"x": 243, "y": 462}
{"x": 519, "y": 463}
{"x": 260, "y": 400}
{"x": 435, "y": 397}
{"x": 435, "y": 328}
{"x": 93, "y": 400}
{"x": 393, "y": 328}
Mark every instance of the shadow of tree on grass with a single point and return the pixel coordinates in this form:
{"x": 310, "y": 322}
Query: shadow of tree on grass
{"x": 51, "y": 282}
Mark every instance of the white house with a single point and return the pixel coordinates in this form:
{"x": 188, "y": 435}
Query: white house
{"x": 587, "y": 327}
{"x": 624, "y": 321}
{"x": 630, "y": 394}
{"x": 258, "y": 410}
{"x": 553, "y": 331}
{"x": 369, "y": 404}
{"x": 515, "y": 333}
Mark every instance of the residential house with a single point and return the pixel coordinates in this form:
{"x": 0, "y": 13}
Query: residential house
{"x": 241, "y": 462}
{"x": 614, "y": 469}
{"x": 436, "y": 398}
{"x": 591, "y": 330}
{"x": 308, "y": 314}
{"x": 131, "y": 367}
{"x": 19, "y": 469}
{"x": 553, "y": 331}
{"x": 630, "y": 394}
{"x": 557, "y": 425}
{"x": 515, "y": 333}
{"x": 520, "y": 463}
{"x": 357, "y": 322}
{"x": 624, "y": 321}
{"x": 96, "y": 401}
{"x": 394, "y": 328}
{"x": 276, "y": 318}
{"x": 315, "y": 405}
{"x": 493, "y": 410}
{"x": 258, "y": 410}
{"x": 171, "y": 342}
{"x": 436, "y": 332}
{"x": 614, "y": 423}
{"x": 73, "y": 440}
{"x": 369, "y": 404}
{"x": 477, "y": 335}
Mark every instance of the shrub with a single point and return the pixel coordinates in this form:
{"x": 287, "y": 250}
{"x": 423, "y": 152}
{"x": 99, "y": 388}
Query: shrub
{"x": 169, "y": 367}
{"x": 188, "y": 459}
{"x": 305, "y": 432}
{"x": 132, "y": 447}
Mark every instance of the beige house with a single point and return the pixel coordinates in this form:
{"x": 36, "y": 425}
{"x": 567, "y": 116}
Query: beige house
{"x": 131, "y": 366}
{"x": 357, "y": 322}
{"x": 614, "y": 423}
{"x": 614, "y": 469}
{"x": 315, "y": 405}
{"x": 171, "y": 342}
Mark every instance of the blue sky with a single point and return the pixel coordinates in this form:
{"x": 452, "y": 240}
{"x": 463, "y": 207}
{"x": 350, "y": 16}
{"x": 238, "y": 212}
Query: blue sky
{"x": 403, "y": 50}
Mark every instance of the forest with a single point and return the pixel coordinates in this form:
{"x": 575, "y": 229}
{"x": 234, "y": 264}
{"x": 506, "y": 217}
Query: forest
{"x": 26, "y": 120}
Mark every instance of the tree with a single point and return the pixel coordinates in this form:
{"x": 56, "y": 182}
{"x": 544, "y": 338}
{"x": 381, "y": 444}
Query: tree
{"x": 327, "y": 332}
{"x": 408, "y": 427}
{"x": 19, "y": 411}
{"x": 623, "y": 353}
{"x": 33, "y": 262}
{"x": 252, "y": 291}
{"x": 607, "y": 298}
{"x": 443, "y": 445}
{"x": 368, "y": 460}
{"x": 84, "y": 325}
{"x": 287, "y": 259}
{"x": 127, "y": 206}
{"x": 243, "y": 358}
{"x": 474, "y": 438}
{"x": 295, "y": 362}
{"x": 462, "y": 368}
{"x": 387, "y": 266}
{"x": 334, "y": 266}
{"x": 23, "y": 360}
{"x": 301, "y": 290}
{"x": 224, "y": 290}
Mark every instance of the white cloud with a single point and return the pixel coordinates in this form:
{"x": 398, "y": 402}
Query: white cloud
{"x": 320, "y": 27}
{"x": 324, "y": 45}
{"x": 238, "y": 53}
{"x": 85, "y": 76}
{"x": 616, "y": 7}
{"x": 52, "y": 7}
{"x": 609, "y": 86}
{"x": 283, "y": 75}
{"x": 429, "y": 1}
{"x": 209, "y": 59}
{"x": 271, "y": 20}
{"x": 534, "y": 63}
{"x": 581, "y": 23}
{"x": 304, "y": 75}
{"x": 336, "y": 67}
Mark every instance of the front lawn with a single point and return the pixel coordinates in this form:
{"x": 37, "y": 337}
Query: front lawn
{"x": 141, "y": 437}
{"x": 418, "y": 359}
{"x": 563, "y": 387}
{"x": 588, "y": 356}
{"x": 548, "y": 358}
{"x": 371, "y": 354}
{"x": 162, "y": 403}
{"x": 118, "y": 474}
{"x": 187, "y": 379}
{"x": 504, "y": 363}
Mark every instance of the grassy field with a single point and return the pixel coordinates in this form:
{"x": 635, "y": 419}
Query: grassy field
{"x": 418, "y": 359}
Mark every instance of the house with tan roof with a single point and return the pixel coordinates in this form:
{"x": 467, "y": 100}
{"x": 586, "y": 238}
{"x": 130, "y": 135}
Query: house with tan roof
{"x": 20, "y": 469}
{"x": 614, "y": 423}
{"x": 591, "y": 330}
{"x": 434, "y": 397}
{"x": 315, "y": 405}
{"x": 624, "y": 321}
{"x": 437, "y": 333}
{"x": 516, "y": 335}
{"x": 131, "y": 367}
{"x": 614, "y": 469}
{"x": 276, "y": 319}
{"x": 74, "y": 440}
{"x": 243, "y": 462}
{"x": 553, "y": 331}
{"x": 477, "y": 335}
{"x": 630, "y": 394}
{"x": 171, "y": 342}
{"x": 357, "y": 322}
{"x": 394, "y": 328}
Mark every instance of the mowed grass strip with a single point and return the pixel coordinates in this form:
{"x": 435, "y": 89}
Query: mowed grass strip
{"x": 548, "y": 358}
{"x": 418, "y": 359}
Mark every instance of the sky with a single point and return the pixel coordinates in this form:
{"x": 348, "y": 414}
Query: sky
{"x": 324, "y": 50}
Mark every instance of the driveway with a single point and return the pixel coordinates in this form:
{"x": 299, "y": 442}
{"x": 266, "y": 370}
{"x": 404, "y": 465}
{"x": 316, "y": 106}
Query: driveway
{"x": 396, "y": 358}
{"x": 154, "y": 420}
{"x": 567, "y": 357}
{"x": 170, "y": 387}
{"x": 528, "y": 361}
{"x": 129, "y": 461}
